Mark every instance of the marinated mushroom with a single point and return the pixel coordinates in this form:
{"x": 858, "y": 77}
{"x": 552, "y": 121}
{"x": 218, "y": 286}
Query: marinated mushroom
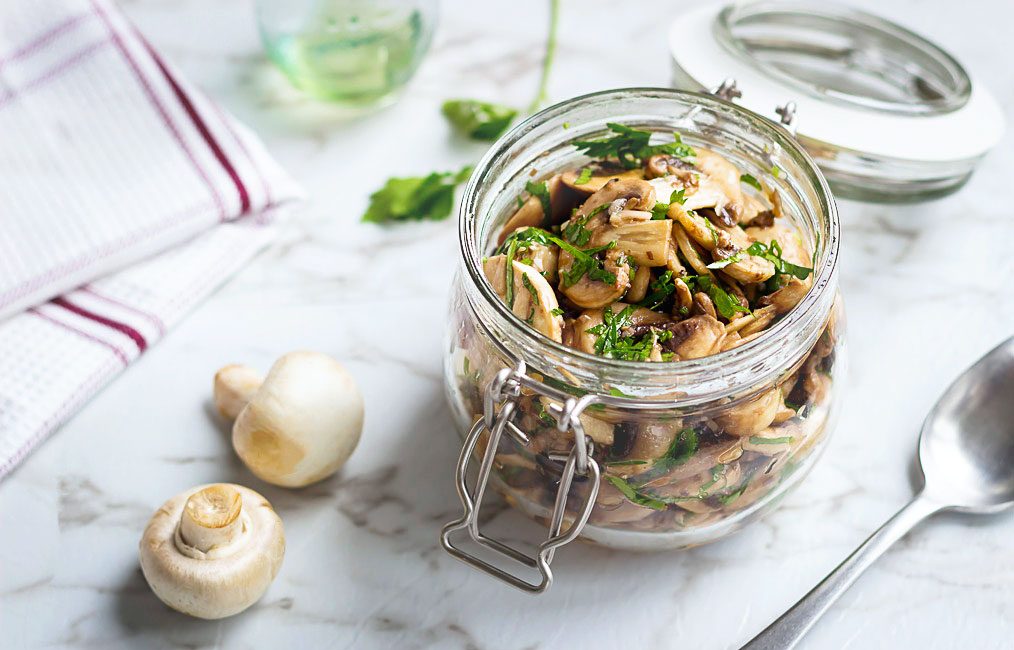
{"x": 212, "y": 551}
{"x": 527, "y": 292}
{"x": 301, "y": 424}
{"x": 663, "y": 253}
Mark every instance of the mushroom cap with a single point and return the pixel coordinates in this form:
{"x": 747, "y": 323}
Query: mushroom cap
{"x": 223, "y": 581}
{"x": 303, "y": 423}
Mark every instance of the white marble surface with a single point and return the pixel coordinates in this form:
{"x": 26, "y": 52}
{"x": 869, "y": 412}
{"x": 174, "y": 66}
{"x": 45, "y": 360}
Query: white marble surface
{"x": 926, "y": 289}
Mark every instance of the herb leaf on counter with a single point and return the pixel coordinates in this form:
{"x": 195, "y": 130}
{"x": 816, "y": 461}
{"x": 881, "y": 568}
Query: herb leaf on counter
{"x": 478, "y": 120}
{"x": 416, "y": 198}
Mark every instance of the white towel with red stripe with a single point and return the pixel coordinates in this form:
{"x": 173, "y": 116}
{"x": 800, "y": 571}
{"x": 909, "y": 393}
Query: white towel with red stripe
{"x": 126, "y": 197}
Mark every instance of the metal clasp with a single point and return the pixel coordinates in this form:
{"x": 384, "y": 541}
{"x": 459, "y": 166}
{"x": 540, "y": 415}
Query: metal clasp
{"x": 729, "y": 91}
{"x": 504, "y": 390}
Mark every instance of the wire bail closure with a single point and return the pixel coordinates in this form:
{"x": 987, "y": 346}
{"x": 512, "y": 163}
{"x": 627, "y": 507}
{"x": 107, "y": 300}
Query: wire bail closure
{"x": 504, "y": 390}
{"x": 730, "y": 92}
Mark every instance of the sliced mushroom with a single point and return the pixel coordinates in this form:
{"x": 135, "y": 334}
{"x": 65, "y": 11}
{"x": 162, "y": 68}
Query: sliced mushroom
{"x": 636, "y": 194}
{"x": 684, "y": 297}
{"x": 695, "y": 337}
{"x": 647, "y": 242}
{"x": 700, "y": 229}
{"x": 639, "y": 284}
{"x": 628, "y": 217}
{"x": 653, "y": 440}
{"x": 719, "y": 187}
{"x": 793, "y": 248}
{"x": 544, "y": 259}
{"x": 761, "y": 318}
{"x": 561, "y": 200}
{"x": 579, "y": 326}
{"x": 784, "y": 299}
{"x": 663, "y": 164}
{"x": 703, "y": 305}
{"x": 533, "y": 297}
{"x": 754, "y": 415}
{"x": 588, "y": 293}
{"x": 691, "y": 254}
{"x": 600, "y": 176}
{"x": 749, "y": 269}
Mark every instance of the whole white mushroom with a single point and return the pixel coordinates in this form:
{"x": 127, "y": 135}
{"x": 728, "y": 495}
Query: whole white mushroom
{"x": 300, "y": 425}
{"x": 213, "y": 550}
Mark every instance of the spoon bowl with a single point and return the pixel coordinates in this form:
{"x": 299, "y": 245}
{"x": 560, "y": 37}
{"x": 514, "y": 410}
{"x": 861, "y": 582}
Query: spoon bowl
{"x": 966, "y": 450}
{"x": 966, "y": 454}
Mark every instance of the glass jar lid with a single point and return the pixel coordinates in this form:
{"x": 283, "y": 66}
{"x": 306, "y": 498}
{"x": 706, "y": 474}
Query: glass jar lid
{"x": 886, "y": 114}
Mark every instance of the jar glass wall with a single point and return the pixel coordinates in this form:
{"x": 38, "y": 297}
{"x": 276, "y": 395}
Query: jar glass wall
{"x": 745, "y": 424}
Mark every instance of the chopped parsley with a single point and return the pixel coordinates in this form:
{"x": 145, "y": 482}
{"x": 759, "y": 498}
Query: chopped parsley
{"x": 417, "y": 198}
{"x": 575, "y": 232}
{"x": 621, "y": 463}
{"x": 630, "y": 146}
{"x": 659, "y": 290}
{"x": 751, "y": 181}
{"x": 634, "y": 496}
{"x": 660, "y": 211}
{"x": 759, "y": 440}
{"x": 726, "y": 305}
{"x": 584, "y": 261}
{"x": 585, "y": 264}
{"x": 721, "y": 264}
{"x": 584, "y": 177}
{"x": 541, "y": 190}
{"x": 773, "y": 253}
{"x": 556, "y": 311}
{"x": 478, "y": 120}
{"x": 683, "y": 447}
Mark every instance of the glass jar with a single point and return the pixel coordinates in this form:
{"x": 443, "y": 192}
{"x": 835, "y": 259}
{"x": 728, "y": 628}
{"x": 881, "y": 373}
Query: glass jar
{"x": 553, "y": 418}
{"x": 357, "y": 53}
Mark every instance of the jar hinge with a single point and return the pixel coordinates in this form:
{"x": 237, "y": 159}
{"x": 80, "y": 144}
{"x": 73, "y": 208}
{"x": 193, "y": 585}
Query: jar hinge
{"x": 505, "y": 389}
{"x": 729, "y": 91}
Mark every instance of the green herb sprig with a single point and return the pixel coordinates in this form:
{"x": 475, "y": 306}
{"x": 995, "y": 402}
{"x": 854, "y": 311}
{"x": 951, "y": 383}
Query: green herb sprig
{"x": 630, "y": 146}
{"x": 418, "y": 198}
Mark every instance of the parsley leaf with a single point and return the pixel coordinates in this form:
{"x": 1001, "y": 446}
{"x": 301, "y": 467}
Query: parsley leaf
{"x": 751, "y": 181}
{"x": 634, "y": 496}
{"x": 584, "y": 262}
{"x": 659, "y": 290}
{"x": 725, "y": 304}
{"x": 415, "y": 198}
{"x": 541, "y": 190}
{"x": 660, "y": 211}
{"x": 773, "y": 253}
{"x": 682, "y": 448}
{"x": 630, "y": 146}
{"x": 611, "y": 344}
{"x": 575, "y": 231}
{"x": 585, "y": 176}
{"x": 478, "y": 120}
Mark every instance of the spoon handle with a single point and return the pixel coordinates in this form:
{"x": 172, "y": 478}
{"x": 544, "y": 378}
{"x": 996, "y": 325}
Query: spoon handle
{"x": 789, "y": 629}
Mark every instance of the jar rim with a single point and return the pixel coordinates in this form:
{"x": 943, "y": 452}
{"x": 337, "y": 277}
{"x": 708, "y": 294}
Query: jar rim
{"x": 742, "y": 356}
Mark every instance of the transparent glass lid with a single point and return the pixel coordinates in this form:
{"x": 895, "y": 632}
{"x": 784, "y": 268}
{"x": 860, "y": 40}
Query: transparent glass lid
{"x": 887, "y": 114}
{"x": 845, "y": 55}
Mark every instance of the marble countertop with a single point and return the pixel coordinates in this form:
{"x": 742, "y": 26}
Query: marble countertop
{"x": 925, "y": 289}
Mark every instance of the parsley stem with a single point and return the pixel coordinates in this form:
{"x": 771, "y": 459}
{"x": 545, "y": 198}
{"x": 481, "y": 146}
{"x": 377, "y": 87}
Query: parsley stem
{"x": 547, "y": 60}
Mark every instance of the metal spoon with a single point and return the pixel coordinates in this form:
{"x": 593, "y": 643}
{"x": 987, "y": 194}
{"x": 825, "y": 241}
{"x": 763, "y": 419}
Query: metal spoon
{"x": 966, "y": 453}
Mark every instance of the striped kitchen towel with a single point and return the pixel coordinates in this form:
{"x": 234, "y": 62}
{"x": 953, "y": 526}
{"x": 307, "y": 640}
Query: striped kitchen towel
{"x": 126, "y": 197}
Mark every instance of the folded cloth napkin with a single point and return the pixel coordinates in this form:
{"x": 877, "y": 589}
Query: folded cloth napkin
{"x": 126, "y": 197}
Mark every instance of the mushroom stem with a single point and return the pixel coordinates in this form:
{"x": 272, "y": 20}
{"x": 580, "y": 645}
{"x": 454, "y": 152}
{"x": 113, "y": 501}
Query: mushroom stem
{"x": 211, "y": 518}
{"x": 235, "y": 386}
